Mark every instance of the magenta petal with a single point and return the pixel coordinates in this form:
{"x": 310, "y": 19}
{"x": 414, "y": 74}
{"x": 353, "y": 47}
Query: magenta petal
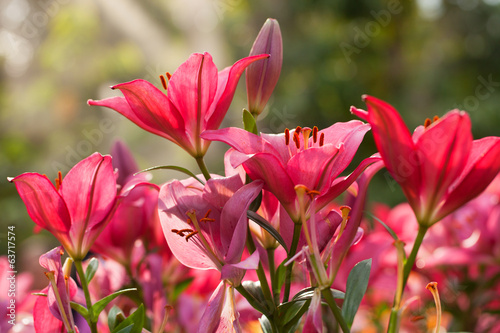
{"x": 212, "y": 316}
{"x": 173, "y": 203}
{"x": 235, "y": 272}
{"x": 395, "y": 145}
{"x": 215, "y": 119}
{"x": 443, "y": 148}
{"x": 241, "y": 140}
{"x": 192, "y": 89}
{"x": 234, "y": 221}
{"x": 43, "y": 319}
{"x": 314, "y": 321}
{"x": 123, "y": 161}
{"x": 218, "y": 190}
{"x": 482, "y": 167}
{"x": 120, "y": 105}
{"x": 45, "y": 205}
{"x": 89, "y": 190}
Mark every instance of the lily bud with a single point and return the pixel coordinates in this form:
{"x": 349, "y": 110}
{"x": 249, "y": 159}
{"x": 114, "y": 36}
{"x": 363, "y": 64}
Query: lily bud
{"x": 262, "y": 76}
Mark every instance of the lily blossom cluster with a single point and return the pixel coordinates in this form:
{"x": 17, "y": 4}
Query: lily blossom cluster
{"x": 280, "y": 242}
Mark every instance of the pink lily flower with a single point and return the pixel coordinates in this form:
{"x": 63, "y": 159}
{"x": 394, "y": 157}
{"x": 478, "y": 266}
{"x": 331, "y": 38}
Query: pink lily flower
{"x": 440, "y": 167}
{"x": 294, "y": 158}
{"x": 75, "y": 210}
{"x": 197, "y": 98}
{"x": 207, "y": 230}
{"x": 53, "y": 313}
{"x": 262, "y": 76}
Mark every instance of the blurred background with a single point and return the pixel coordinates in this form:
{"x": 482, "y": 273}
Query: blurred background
{"x": 424, "y": 57}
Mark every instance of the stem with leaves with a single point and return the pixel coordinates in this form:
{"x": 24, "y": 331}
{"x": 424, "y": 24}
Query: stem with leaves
{"x": 83, "y": 280}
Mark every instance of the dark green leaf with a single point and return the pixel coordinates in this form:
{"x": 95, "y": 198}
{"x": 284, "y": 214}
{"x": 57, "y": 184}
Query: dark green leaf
{"x": 172, "y": 167}
{"x": 91, "y": 269}
{"x": 266, "y": 226}
{"x": 281, "y": 273}
{"x": 181, "y": 286}
{"x": 80, "y": 309}
{"x": 115, "y": 317}
{"x": 307, "y": 293}
{"x": 249, "y": 122}
{"x": 133, "y": 324}
{"x": 254, "y": 289}
{"x": 101, "y": 304}
{"x": 357, "y": 282}
{"x": 265, "y": 324}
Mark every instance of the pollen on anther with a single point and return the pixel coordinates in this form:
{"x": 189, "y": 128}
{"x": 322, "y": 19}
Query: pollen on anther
{"x": 298, "y": 130}
{"x": 58, "y": 180}
{"x": 436, "y": 118}
{"x": 174, "y": 231}
{"x": 427, "y": 122}
{"x": 163, "y": 82}
{"x": 315, "y": 134}
{"x": 168, "y": 75}
{"x": 296, "y": 139}
{"x": 321, "y": 139}
{"x": 287, "y": 136}
{"x": 61, "y": 252}
{"x": 191, "y": 235}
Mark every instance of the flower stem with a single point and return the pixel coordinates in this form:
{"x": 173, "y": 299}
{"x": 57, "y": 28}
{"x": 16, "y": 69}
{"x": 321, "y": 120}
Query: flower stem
{"x": 261, "y": 274}
{"x": 293, "y": 249}
{"x": 203, "y": 167}
{"x": 83, "y": 280}
{"x": 410, "y": 261}
{"x": 327, "y": 295}
{"x": 274, "y": 282}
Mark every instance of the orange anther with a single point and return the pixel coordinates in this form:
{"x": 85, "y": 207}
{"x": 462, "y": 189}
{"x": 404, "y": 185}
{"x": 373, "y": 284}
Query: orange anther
{"x": 163, "y": 82}
{"x": 298, "y": 130}
{"x": 296, "y": 139}
{"x": 58, "y": 180}
{"x": 315, "y": 134}
{"x": 427, "y": 122}
{"x": 287, "y": 136}
{"x": 436, "y": 118}
{"x": 168, "y": 75}
{"x": 191, "y": 235}
{"x": 321, "y": 139}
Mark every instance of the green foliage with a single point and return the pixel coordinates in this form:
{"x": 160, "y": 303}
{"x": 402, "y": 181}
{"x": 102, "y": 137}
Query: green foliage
{"x": 357, "y": 282}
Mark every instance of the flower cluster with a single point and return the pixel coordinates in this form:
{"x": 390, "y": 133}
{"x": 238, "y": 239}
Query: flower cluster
{"x": 281, "y": 233}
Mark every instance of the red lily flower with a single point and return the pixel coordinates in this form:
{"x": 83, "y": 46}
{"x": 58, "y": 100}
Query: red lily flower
{"x": 284, "y": 161}
{"x": 197, "y": 99}
{"x": 440, "y": 167}
{"x": 75, "y": 210}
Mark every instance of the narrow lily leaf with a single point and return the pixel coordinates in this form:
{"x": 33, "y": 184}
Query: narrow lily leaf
{"x": 265, "y": 324}
{"x": 389, "y": 229}
{"x": 254, "y": 289}
{"x": 180, "y": 287}
{"x": 80, "y": 309}
{"x": 307, "y": 293}
{"x": 281, "y": 273}
{"x": 266, "y": 226}
{"x": 133, "y": 324}
{"x": 249, "y": 122}
{"x": 290, "y": 313}
{"x": 172, "y": 167}
{"x": 357, "y": 282}
{"x": 91, "y": 269}
{"x": 115, "y": 317}
{"x": 101, "y": 304}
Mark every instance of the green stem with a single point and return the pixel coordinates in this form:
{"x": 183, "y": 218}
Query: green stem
{"x": 293, "y": 249}
{"x": 261, "y": 274}
{"x": 203, "y": 167}
{"x": 410, "y": 261}
{"x": 83, "y": 280}
{"x": 274, "y": 282}
{"x": 327, "y": 295}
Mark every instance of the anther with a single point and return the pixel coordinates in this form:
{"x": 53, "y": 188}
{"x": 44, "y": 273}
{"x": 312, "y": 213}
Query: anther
{"x": 61, "y": 252}
{"x": 298, "y": 129}
{"x": 312, "y": 193}
{"x": 207, "y": 219}
{"x": 436, "y": 118}
{"x": 168, "y": 75}
{"x": 321, "y": 139}
{"x": 58, "y": 180}
{"x": 427, "y": 122}
{"x": 191, "y": 235}
{"x": 163, "y": 82}
{"x": 315, "y": 134}
{"x": 296, "y": 139}
{"x": 287, "y": 136}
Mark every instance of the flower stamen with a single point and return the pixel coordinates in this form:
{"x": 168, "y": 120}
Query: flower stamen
{"x": 163, "y": 82}
{"x": 58, "y": 181}
{"x": 315, "y": 134}
{"x": 296, "y": 139}
{"x": 287, "y": 136}
{"x": 306, "y": 131}
{"x": 321, "y": 139}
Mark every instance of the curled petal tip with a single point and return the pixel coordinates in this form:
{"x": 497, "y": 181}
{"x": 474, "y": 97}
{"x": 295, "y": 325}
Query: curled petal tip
{"x": 10, "y": 179}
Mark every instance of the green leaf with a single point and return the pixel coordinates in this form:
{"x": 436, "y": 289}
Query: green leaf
{"x": 265, "y": 324}
{"x": 281, "y": 274}
{"x": 91, "y": 269}
{"x": 254, "y": 289}
{"x": 101, "y": 304}
{"x": 290, "y": 314}
{"x": 307, "y": 293}
{"x": 115, "y": 317}
{"x": 267, "y": 227}
{"x": 133, "y": 324}
{"x": 172, "y": 167}
{"x": 249, "y": 122}
{"x": 389, "y": 230}
{"x": 180, "y": 287}
{"x": 357, "y": 282}
{"x": 80, "y": 309}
